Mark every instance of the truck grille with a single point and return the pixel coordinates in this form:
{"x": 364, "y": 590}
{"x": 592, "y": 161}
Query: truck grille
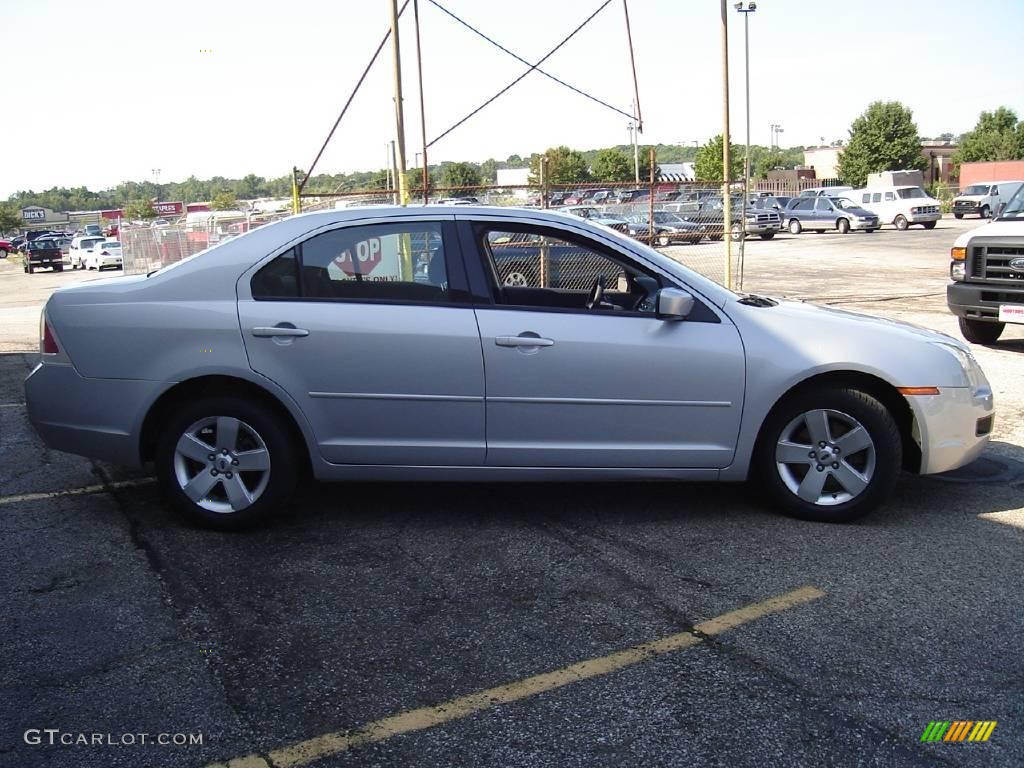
{"x": 992, "y": 262}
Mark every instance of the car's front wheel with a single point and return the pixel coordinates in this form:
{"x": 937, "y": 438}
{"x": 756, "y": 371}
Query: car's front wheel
{"x": 843, "y": 226}
{"x": 901, "y": 222}
{"x": 225, "y": 463}
{"x": 981, "y": 332}
{"x": 830, "y": 455}
{"x": 794, "y": 227}
{"x": 767, "y": 235}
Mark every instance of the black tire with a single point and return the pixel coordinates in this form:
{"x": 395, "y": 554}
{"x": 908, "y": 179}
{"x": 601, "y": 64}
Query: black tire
{"x": 843, "y": 226}
{"x": 985, "y": 211}
{"x": 279, "y": 444}
{"x": 29, "y": 268}
{"x": 736, "y": 232}
{"x": 869, "y": 231}
{"x": 981, "y": 332}
{"x": 767, "y": 235}
{"x": 929, "y": 224}
{"x": 58, "y": 268}
{"x": 901, "y": 223}
{"x": 794, "y": 227}
{"x": 958, "y": 215}
{"x": 715, "y": 237}
{"x": 871, "y": 414}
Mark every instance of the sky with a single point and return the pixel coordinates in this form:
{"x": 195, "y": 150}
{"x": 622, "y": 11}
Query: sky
{"x": 220, "y": 87}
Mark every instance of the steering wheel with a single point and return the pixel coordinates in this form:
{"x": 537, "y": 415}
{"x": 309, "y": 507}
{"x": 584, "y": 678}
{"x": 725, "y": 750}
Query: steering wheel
{"x": 596, "y": 293}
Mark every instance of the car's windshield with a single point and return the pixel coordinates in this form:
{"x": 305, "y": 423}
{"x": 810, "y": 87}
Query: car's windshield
{"x": 976, "y": 189}
{"x": 1015, "y": 207}
{"x": 910, "y": 193}
{"x": 110, "y": 244}
{"x": 665, "y": 217}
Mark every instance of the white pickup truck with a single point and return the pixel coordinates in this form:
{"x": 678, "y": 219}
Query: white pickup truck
{"x": 987, "y": 271}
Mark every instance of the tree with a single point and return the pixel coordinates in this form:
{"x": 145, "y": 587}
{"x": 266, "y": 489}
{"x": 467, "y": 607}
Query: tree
{"x": 139, "y": 209}
{"x": 564, "y": 166}
{"x": 224, "y": 200}
{"x": 997, "y": 136}
{"x": 883, "y": 138}
{"x": 460, "y": 176}
{"x": 9, "y": 218}
{"x": 612, "y": 165}
{"x": 708, "y": 165}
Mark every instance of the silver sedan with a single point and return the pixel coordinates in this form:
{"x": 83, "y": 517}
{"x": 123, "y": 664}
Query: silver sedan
{"x": 387, "y": 344}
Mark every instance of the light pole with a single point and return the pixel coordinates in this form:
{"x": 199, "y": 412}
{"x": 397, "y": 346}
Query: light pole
{"x": 634, "y": 129}
{"x": 746, "y": 8}
{"x": 726, "y": 137}
{"x": 776, "y": 130}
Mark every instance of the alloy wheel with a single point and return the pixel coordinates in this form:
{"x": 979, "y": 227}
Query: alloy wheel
{"x": 222, "y": 464}
{"x": 825, "y": 457}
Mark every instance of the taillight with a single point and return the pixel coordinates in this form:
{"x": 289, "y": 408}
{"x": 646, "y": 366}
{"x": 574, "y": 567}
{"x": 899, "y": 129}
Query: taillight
{"x": 49, "y": 344}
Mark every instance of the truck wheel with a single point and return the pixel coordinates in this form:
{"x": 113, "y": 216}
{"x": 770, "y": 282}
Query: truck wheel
{"x": 958, "y": 215}
{"x": 829, "y": 455}
{"x": 901, "y": 223}
{"x": 980, "y": 332}
{"x": 58, "y": 268}
{"x": 767, "y": 235}
{"x": 929, "y": 224}
{"x": 29, "y": 268}
{"x": 985, "y": 211}
{"x": 843, "y": 226}
{"x": 794, "y": 227}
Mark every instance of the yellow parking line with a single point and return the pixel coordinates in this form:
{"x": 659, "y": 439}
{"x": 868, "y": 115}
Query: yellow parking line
{"x": 85, "y": 489}
{"x": 427, "y": 717}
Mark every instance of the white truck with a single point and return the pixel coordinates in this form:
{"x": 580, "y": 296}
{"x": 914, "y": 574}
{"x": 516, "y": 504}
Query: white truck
{"x": 987, "y": 272}
{"x": 985, "y": 198}
{"x": 900, "y": 206}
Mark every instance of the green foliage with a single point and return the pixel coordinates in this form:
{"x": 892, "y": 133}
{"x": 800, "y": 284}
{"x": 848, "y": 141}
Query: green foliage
{"x": 997, "y": 136}
{"x": 883, "y": 138}
{"x": 460, "y": 176}
{"x": 611, "y": 165}
{"x": 10, "y": 219}
{"x": 139, "y": 209}
{"x": 564, "y": 166}
{"x": 224, "y": 201}
{"x": 708, "y": 162}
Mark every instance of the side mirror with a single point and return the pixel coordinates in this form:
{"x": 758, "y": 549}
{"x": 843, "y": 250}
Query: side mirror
{"x": 674, "y": 304}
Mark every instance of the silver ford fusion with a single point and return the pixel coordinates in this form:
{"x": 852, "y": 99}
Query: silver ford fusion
{"x": 391, "y": 344}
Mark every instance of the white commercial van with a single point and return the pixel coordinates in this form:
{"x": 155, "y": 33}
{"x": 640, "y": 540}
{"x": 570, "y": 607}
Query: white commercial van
{"x": 985, "y": 198}
{"x": 899, "y": 206}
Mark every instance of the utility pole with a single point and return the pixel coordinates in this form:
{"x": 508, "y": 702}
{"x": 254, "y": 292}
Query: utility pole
{"x": 403, "y": 191}
{"x": 635, "y": 129}
{"x": 726, "y": 201}
{"x": 746, "y": 9}
{"x": 396, "y": 185}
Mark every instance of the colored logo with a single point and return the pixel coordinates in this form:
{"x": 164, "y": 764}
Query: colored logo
{"x": 958, "y": 730}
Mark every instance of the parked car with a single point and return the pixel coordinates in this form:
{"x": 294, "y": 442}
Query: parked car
{"x": 899, "y": 206}
{"x": 987, "y": 273}
{"x": 43, "y": 252}
{"x": 669, "y": 228}
{"x": 828, "y": 214}
{"x": 92, "y": 230}
{"x": 710, "y": 213}
{"x": 61, "y": 241}
{"x": 770, "y": 203}
{"x": 5, "y": 248}
{"x": 79, "y": 246}
{"x": 650, "y": 372}
{"x": 598, "y": 216}
{"x": 984, "y": 199}
{"x": 105, "y": 253}
{"x": 18, "y": 243}
{"x": 826, "y": 191}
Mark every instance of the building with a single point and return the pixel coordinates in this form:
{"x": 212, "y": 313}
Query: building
{"x": 997, "y": 170}
{"x": 824, "y": 161}
{"x": 938, "y": 156}
{"x": 36, "y": 217}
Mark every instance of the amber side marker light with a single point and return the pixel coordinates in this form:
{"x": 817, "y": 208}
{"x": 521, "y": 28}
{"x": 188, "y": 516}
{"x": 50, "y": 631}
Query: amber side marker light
{"x": 958, "y": 254}
{"x": 918, "y": 390}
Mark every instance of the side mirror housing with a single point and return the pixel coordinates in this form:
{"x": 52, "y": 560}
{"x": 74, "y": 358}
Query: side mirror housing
{"x": 674, "y": 304}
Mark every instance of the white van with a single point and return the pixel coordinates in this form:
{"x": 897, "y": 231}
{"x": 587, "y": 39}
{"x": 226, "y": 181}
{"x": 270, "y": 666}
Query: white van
{"x": 899, "y": 206}
{"x": 985, "y": 198}
{"x": 826, "y": 192}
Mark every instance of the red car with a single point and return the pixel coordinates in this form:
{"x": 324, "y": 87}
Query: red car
{"x": 5, "y": 248}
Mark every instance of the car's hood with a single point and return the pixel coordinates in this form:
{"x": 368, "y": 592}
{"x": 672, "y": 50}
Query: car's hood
{"x": 974, "y": 198}
{"x": 998, "y": 228}
{"x": 858, "y": 211}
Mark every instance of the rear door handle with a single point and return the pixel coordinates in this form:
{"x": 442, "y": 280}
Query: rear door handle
{"x": 523, "y": 341}
{"x": 279, "y": 330}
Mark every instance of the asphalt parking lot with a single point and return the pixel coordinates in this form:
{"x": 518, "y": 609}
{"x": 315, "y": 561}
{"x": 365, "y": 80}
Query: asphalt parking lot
{"x": 521, "y": 625}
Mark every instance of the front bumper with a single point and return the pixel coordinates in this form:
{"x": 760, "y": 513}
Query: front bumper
{"x": 761, "y": 229}
{"x": 98, "y": 418}
{"x": 921, "y": 218}
{"x": 952, "y": 427}
{"x": 980, "y": 301}
{"x": 860, "y": 225}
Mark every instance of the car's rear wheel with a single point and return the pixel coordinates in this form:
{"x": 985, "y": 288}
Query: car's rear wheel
{"x": 901, "y": 222}
{"x": 225, "y": 463}
{"x": 980, "y": 332}
{"x": 794, "y": 227}
{"x": 843, "y": 226}
{"x": 830, "y": 455}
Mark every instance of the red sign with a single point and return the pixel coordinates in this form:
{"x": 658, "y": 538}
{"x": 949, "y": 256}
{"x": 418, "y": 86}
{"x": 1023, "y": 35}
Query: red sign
{"x": 112, "y": 215}
{"x": 197, "y": 207}
{"x": 368, "y": 256}
{"x": 168, "y": 209}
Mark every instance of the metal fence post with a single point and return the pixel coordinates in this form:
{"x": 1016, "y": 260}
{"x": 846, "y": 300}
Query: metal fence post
{"x": 650, "y": 200}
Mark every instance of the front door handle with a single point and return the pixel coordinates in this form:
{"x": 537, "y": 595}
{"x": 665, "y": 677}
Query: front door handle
{"x": 279, "y": 330}
{"x": 523, "y": 341}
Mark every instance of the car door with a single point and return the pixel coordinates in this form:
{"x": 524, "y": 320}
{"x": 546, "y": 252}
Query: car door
{"x": 824, "y": 214}
{"x": 369, "y": 329}
{"x": 613, "y": 386}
